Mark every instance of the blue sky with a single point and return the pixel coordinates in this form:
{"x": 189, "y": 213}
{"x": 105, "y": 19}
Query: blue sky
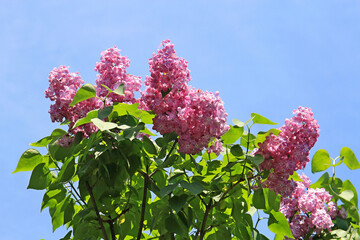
{"x": 267, "y": 57}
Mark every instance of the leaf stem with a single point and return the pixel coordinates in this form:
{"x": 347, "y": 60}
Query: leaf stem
{"x": 96, "y": 210}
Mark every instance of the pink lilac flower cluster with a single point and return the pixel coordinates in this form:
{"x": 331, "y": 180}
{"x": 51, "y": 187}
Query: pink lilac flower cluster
{"x": 289, "y": 151}
{"x": 62, "y": 89}
{"x": 308, "y": 208}
{"x": 197, "y": 117}
{"x": 112, "y": 69}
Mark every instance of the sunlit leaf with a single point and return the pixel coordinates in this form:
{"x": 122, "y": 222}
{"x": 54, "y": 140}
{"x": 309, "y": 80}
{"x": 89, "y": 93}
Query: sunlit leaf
{"x": 85, "y": 92}
{"x": 320, "y": 161}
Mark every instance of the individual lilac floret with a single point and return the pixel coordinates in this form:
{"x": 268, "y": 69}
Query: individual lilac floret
{"x": 195, "y": 116}
{"x": 112, "y": 69}
{"x": 308, "y": 208}
{"x": 62, "y": 89}
{"x": 289, "y": 151}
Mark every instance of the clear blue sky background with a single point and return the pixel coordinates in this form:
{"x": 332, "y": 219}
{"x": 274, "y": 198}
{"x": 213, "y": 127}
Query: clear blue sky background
{"x": 267, "y": 57}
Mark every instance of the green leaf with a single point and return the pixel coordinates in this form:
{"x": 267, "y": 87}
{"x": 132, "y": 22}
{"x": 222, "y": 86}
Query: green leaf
{"x": 232, "y": 135}
{"x": 272, "y": 200}
{"x": 347, "y": 185}
{"x": 257, "y": 118}
{"x": 53, "y": 197}
{"x": 85, "y": 92}
{"x": 125, "y": 109}
{"x": 261, "y": 136}
{"x": 295, "y": 176}
{"x": 322, "y": 182}
{"x": 90, "y": 115}
{"x": 347, "y": 195}
{"x": 164, "y": 93}
{"x": 257, "y": 159}
{"x": 42, "y": 142}
{"x": 320, "y": 161}
{"x": 40, "y": 177}
{"x": 194, "y": 187}
{"x": 149, "y": 146}
{"x": 278, "y": 224}
{"x": 259, "y": 199}
{"x": 58, "y": 132}
{"x": 105, "y": 112}
{"x": 133, "y": 164}
{"x": 238, "y": 123}
{"x": 172, "y": 225}
{"x": 67, "y": 236}
{"x": 168, "y": 189}
{"x": 58, "y": 152}
{"x": 170, "y": 161}
{"x": 177, "y": 202}
{"x": 236, "y": 150}
{"x": 120, "y": 90}
{"x": 349, "y": 158}
{"x": 103, "y": 126}
{"x": 67, "y": 171}
{"x": 28, "y": 160}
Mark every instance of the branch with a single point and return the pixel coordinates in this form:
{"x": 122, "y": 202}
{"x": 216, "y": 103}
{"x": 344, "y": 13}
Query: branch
{"x": 143, "y": 205}
{"x": 203, "y": 225}
{"x": 111, "y": 224}
{"x": 122, "y": 213}
{"x": 96, "y": 210}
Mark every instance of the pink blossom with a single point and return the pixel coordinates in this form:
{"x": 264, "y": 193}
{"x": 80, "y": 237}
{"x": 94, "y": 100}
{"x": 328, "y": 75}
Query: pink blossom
{"x": 195, "y": 116}
{"x": 289, "y": 151}
{"x": 308, "y": 208}
{"x": 62, "y": 89}
{"x": 112, "y": 69}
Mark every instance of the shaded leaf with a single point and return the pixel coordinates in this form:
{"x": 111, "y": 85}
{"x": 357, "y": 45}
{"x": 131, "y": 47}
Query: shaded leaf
{"x": 236, "y": 150}
{"x": 177, "y": 202}
{"x": 149, "y": 145}
{"x": 257, "y": 159}
{"x": 194, "y": 187}
{"x": 67, "y": 171}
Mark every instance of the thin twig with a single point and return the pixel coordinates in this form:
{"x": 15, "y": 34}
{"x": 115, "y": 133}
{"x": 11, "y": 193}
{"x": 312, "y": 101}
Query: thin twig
{"x": 77, "y": 193}
{"x": 72, "y": 186}
{"x": 96, "y": 210}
